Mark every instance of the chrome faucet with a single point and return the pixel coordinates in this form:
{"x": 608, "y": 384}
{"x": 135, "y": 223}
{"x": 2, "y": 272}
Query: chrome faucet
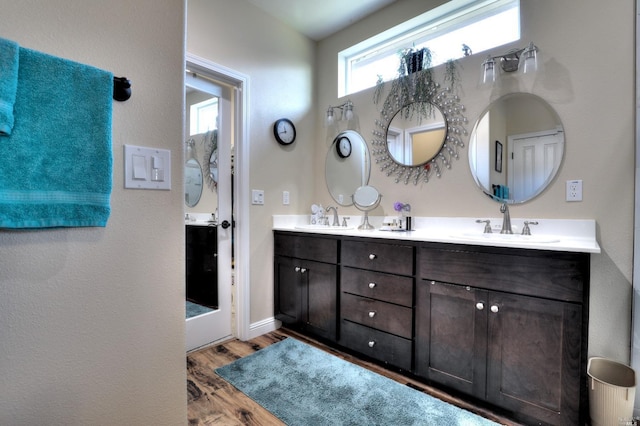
{"x": 336, "y": 221}
{"x": 506, "y": 219}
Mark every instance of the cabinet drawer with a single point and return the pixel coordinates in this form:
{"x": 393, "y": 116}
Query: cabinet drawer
{"x": 379, "y": 315}
{"x": 553, "y": 275}
{"x": 383, "y": 257}
{"x": 304, "y": 247}
{"x": 377, "y": 285}
{"x": 376, "y": 344}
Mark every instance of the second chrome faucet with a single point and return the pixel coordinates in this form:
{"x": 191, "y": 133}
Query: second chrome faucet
{"x": 506, "y": 219}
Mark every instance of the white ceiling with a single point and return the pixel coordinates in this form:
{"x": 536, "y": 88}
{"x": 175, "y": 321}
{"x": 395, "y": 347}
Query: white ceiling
{"x": 318, "y": 19}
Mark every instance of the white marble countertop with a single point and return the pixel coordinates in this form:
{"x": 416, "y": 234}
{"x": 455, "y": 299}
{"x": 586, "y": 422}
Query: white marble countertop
{"x": 570, "y": 235}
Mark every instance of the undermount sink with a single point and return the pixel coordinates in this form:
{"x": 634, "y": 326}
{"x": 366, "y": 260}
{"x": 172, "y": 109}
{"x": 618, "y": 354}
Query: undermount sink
{"x": 324, "y": 227}
{"x": 516, "y": 238}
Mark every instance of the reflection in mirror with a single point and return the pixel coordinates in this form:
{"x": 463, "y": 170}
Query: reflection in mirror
{"x": 416, "y": 134}
{"x": 192, "y": 182}
{"x": 211, "y": 158}
{"x": 347, "y": 169}
{"x": 366, "y": 198}
{"x": 516, "y": 148}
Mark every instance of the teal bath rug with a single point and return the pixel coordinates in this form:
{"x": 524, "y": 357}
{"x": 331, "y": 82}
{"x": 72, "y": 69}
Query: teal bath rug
{"x": 304, "y": 386}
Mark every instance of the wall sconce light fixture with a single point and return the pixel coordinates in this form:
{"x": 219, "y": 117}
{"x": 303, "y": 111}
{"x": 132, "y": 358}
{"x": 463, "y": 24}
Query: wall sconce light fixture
{"x": 346, "y": 113}
{"x": 510, "y": 62}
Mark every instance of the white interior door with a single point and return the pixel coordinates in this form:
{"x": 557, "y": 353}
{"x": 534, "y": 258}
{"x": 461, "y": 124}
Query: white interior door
{"x": 215, "y": 324}
{"x": 534, "y": 159}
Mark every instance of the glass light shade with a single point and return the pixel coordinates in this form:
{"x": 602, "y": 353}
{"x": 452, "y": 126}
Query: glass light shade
{"x": 328, "y": 120}
{"x": 529, "y": 59}
{"x": 489, "y": 71}
{"x": 348, "y": 112}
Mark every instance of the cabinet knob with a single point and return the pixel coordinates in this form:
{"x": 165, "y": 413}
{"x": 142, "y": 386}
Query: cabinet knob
{"x": 371, "y": 343}
{"x": 479, "y": 306}
{"x": 372, "y": 314}
{"x": 297, "y": 269}
{"x": 372, "y": 285}
{"x": 433, "y": 283}
{"x": 494, "y": 308}
{"x": 303, "y": 270}
{"x": 372, "y": 256}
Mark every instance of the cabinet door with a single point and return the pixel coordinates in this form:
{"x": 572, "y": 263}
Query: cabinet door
{"x": 320, "y": 290}
{"x": 202, "y": 265}
{"x": 288, "y": 290}
{"x": 451, "y": 326}
{"x": 534, "y": 357}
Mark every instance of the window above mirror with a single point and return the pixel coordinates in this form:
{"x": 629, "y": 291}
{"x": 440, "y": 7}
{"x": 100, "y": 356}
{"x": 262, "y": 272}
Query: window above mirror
{"x": 457, "y": 28}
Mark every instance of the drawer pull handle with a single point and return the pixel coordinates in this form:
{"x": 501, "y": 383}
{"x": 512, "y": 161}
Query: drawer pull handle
{"x": 479, "y": 306}
{"x": 303, "y": 270}
{"x": 297, "y": 269}
{"x": 372, "y": 314}
{"x": 372, "y": 256}
{"x": 494, "y": 308}
{"x": 372, "y": 285}
{"x": 371, "y": 343}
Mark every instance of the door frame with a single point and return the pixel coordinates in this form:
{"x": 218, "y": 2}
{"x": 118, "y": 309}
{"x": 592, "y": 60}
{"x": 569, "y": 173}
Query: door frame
{"x": 240, "y": 287}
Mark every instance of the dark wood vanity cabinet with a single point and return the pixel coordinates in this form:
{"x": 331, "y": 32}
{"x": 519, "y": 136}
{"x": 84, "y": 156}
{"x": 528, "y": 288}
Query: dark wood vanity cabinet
{"x": 507, "y": 326}
{"x": 376, "y": 300}
{"x": 477, "y": 332}
{"x": 202, "y": 265}
{"x": 306, "y": 283}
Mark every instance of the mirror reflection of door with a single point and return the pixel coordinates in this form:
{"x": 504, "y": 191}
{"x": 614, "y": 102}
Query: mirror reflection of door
{"x": 535, "y": 159}
{"x": 209, "y": 123}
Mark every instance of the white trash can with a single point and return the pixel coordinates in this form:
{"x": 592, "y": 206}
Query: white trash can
{"x": 612, "y": 392}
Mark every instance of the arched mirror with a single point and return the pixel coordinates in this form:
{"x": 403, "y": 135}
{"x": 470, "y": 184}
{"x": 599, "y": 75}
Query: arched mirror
{"x": 416, "y": 134}
{"x": 347, "y": 166}
{"x": 192, "y": 182}
{"x": 516, "y": 148}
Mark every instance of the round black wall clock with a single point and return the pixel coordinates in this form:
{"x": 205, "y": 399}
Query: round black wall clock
{"x": 343, "y": 146}
{"x": 284, "y": 131}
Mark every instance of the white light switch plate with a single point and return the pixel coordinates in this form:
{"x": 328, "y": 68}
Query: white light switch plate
{"x": 257, "y": 196}
{"x": 147, "y": 168}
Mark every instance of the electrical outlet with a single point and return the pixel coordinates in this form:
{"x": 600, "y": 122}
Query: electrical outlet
{"x": 574, "y": 190}
{"x": 285, "y": 198}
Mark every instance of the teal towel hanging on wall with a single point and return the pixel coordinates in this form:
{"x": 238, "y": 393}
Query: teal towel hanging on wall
{"x": 56, "y": 165}
{"x": 8, "y": 83}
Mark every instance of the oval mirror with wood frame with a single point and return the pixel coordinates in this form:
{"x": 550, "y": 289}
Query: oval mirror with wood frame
{"x": 516, "y": 148}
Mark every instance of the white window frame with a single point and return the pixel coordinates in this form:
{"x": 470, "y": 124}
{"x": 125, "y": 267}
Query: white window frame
{"x": 196, "y": 125}
{"x": 443, "y": 19}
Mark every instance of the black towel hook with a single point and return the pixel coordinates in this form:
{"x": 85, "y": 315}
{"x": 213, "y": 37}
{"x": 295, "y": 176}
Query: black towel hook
{"x": 121, "y": 88}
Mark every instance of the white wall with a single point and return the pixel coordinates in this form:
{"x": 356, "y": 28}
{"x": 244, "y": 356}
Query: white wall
{"x": 92, "y": 320}
{"x": 595, "y": 101}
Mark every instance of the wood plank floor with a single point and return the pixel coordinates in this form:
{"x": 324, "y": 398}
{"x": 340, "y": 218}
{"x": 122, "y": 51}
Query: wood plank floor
{"x": 213, "y": 401}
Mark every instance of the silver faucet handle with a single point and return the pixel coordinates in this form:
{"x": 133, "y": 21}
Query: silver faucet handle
{"x": 487, "y": 225}
{"x": 344, "y": 221}
{"x": 526, "y": 230}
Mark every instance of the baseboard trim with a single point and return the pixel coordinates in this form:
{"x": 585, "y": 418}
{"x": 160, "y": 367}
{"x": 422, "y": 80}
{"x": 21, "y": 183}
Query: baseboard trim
{"x": 264, "y": 326}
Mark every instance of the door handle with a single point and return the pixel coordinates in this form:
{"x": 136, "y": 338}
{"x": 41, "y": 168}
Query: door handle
{"x": 225, "y": 224}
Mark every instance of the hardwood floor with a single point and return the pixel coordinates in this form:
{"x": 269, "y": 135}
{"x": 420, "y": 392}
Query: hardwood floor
{"x": 213, "y": 401}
